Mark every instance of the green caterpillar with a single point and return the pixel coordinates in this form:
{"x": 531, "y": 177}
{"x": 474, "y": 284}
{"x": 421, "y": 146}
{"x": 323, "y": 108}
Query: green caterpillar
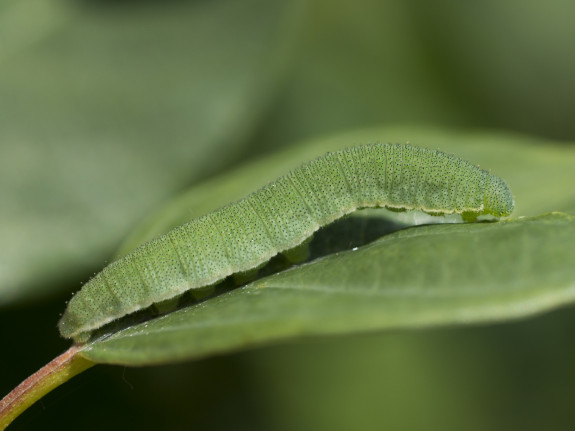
{"x": 279, "y": 217}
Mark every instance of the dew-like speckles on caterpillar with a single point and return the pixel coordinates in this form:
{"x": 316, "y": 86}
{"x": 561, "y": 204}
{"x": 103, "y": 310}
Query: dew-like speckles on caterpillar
{"x": 280, "y": 216}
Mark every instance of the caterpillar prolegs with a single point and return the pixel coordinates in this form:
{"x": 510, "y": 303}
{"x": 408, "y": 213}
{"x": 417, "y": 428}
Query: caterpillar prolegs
{"x": 280, "y": 216}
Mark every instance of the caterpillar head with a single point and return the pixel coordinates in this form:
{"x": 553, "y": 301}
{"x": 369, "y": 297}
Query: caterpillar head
{"x": 497, "y": 199}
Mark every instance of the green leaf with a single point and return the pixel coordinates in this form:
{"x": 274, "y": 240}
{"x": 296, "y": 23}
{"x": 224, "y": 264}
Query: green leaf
{"x": 417, "y": 277}
{"x": 108, "y": 109}
{"x": 540, "y": 175}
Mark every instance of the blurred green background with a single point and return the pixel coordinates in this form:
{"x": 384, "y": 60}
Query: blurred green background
{"x": 110, "y": 108}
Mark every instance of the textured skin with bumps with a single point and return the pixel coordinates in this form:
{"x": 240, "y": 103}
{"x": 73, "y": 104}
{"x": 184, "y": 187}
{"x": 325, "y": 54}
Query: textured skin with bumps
{"x": 280, "y": 216}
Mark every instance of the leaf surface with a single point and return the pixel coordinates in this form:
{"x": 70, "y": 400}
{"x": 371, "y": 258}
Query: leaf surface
{"x": 418, "y": 277}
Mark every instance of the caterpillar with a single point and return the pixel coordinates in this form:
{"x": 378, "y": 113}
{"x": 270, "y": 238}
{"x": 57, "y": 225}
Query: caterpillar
{"x": 277, "y": 218}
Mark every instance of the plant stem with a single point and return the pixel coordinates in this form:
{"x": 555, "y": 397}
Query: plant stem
{"x": 50, "y": 376}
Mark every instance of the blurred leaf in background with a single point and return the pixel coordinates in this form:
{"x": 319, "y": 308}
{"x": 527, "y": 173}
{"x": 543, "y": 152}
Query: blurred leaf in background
{"x": 490, "y": 64}
{"x": 109, "y": 108}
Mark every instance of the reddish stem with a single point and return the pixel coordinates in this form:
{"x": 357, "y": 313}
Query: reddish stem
{"x": 50, "y": 376}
